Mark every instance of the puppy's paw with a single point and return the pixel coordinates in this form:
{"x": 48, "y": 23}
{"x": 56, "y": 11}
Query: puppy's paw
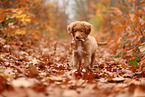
{"x": 74, "y": 70}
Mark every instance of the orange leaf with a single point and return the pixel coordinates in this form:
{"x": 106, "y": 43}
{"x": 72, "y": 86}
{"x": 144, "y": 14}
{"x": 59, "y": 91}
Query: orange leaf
{"x": 23, "y": 1}
{"x": 127, "y": 22}
{"x": 142, "y": 61}
{"x": 5, "y": 76}
{"x": 26, "y": 8}
{"x": 10, "y": 2}
{"x": 134, "y": 2}
{"x": 124, "y": 65}
{"x": 131, "y": 50}
{"x": 132, "y": 29}
{"x": 123, "y": 22}
{"x": 16, "y": 1}
{"x": 139, "y": 24}
{"x": 132, "y": 36}
{"x": 135, "y": 17}
{"x": 117, "y": 28}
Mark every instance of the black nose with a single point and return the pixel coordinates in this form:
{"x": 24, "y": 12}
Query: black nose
{"x": 77, "y": 37}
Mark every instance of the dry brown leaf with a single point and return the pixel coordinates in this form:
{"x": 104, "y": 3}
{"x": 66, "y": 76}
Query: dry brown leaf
{"x": 33, "y": 70}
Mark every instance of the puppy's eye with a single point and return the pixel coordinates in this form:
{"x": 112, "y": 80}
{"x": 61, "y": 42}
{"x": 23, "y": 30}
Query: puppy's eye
{"x": 81, "y": 31}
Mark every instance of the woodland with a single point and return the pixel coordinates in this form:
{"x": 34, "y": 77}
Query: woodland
{"x": 35, "y": 48}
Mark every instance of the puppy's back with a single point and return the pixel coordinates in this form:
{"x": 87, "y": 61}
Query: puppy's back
{"x": 93, "y": 44}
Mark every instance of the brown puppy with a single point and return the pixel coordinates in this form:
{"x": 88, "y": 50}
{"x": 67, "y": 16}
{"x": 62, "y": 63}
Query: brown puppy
{"x": 84, "y": 45}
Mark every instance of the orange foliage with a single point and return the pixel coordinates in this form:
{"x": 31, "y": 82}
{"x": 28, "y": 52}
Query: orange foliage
{"x": 27, "y": 17}
{"x": 121, "y": 24}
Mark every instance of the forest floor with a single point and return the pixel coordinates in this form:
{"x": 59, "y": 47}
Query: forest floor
{"x": 43, "y": 69}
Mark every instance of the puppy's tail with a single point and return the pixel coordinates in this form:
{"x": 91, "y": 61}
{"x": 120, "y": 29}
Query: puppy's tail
{"x": 102, "y": 43}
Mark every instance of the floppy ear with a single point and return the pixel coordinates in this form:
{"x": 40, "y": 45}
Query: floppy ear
{"x": 69, "y": 29}
{"x": 88, "y": 27}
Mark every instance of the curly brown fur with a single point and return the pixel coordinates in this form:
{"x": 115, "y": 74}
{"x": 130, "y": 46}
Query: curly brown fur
{"x": 84, "y": 45}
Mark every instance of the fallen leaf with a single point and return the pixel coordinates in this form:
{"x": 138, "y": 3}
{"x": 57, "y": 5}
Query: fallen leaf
{"x": 33, "y": 71}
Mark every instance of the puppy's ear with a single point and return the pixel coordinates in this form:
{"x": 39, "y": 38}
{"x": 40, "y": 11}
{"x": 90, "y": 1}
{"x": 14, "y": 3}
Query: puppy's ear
{"x": 69, "y": 29}
{"x": 88, "y": 27}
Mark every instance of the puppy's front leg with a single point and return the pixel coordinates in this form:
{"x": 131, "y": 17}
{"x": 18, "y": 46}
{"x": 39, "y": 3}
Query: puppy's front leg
{"x": 87, "y": 60}
{"x": 75, "y": 60}
{"x": 92, "y": 59}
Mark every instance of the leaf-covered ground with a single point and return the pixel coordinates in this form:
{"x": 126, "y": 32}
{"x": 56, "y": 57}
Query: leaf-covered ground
{"x": 43, "y": 69}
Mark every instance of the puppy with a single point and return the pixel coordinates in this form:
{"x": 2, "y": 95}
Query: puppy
{"x": 84, "y": 46}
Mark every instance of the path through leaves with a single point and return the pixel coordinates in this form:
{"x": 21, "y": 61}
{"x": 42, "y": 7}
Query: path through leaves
{"x": 44, "y": 70}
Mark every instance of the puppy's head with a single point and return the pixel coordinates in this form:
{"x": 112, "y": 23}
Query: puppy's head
{"x": 79, "y": 29}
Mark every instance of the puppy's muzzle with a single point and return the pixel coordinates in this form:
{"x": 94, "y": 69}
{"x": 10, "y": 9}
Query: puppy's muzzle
{"x": 77, "y": 37}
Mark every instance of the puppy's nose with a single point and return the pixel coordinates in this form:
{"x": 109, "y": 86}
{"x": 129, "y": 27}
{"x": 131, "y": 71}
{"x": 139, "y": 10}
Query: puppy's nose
{"x": 77, "y": 37}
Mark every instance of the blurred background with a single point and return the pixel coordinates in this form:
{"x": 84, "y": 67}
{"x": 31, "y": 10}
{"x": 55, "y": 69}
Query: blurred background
{"x": 117, "y": 21}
